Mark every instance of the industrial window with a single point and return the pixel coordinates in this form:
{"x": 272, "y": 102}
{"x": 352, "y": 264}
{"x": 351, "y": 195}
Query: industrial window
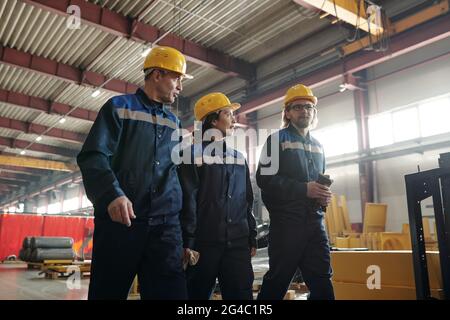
{"x": 85, "y": 202}
{"x": 406, "y": 124}
{"x": 338, "y": 139}
{"x": 70, "y": 204}
{"x": 41, "y": 210}
{"x": 16, "y": 209}
{"x": 54, "y": 208}
{"x": 434, "y": 116}
{"x": 380, "y": 130}
{"x": 427, "y": 119}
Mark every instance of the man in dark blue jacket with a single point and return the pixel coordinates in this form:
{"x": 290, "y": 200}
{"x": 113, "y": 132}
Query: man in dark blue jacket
{"x": 218, "y": 192}
{"x": 289, "y": 167}
{"x": 132, "y": 182}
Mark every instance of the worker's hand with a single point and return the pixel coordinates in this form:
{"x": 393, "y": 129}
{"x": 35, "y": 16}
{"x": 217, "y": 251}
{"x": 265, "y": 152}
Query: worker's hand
{"x": 190, "y": 257}
{"x": 253, "y": 251}
{"x": 121, "y": 210}
{"x": 324, "y": 202}
{"x": 315, "y": 190}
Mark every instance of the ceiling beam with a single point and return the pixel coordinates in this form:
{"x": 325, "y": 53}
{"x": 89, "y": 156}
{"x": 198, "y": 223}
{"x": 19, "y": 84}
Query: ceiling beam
{"x": 36, "y": 163}
{"x": 420, "y": 36}
{"x": 351, "y": 12}
{"x": 18, "y": 176}
{"x": 62, "y": 71}
{"x": 125, "y": 27}
{"x": 416, "y": 19}
{"x": 14, "y": 182}
{"x": 24, "y": 170}
{"x": 5, "y": 191}
{"x": 21, "y": 144}
{"x": 8, "y": 188}
{"x": 36, "y": 190}
{"x": 32, "y": 128}
{"x": 45, "y": 106}
{"x": 33, "y": 191}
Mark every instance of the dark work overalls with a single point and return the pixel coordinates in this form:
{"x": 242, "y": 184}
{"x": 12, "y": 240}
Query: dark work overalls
{"x": 221, "y": 196}
{"x": 128, "y": 152}
{"x": 297, "y": 236}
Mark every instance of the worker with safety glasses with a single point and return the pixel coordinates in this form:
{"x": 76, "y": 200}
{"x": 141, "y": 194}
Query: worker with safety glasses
{"x": 131, "y": 180}
{"x": 295, "y": 201}
{"x": 218, "y": 190}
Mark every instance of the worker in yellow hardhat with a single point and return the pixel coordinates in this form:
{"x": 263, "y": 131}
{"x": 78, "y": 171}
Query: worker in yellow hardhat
{"x": 130, "y": 178}
{"x": 295, "y": 196}
{"x": 164, "y": 69}
{"x": 300, "y": 93}
{"x": 212, "y": 105}
{"x": 218, "y": 191}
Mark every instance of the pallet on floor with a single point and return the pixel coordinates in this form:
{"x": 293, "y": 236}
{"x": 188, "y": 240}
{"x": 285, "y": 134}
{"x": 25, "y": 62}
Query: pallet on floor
{"x": 45, "y": 263}
{"x": 53, "y": 269}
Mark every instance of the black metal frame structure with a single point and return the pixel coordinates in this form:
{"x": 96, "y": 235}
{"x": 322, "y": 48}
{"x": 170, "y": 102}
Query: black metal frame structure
{"x": 433, "y": 183}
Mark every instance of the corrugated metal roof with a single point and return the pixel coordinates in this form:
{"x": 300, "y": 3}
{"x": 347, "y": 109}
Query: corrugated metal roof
{"x": 232, "y": 26}
{"x": 10, "y": 111}
{"x": 126, "y": 7}
{"x": 204, "y": 77}
{"x": 123, "y": 60}
{"x": 292, "y": 31}
{"x": 29, "y": 82}
{"x": 79, "y": 96}
{"x": 207, "y": 22}
{"x": 71, "y": 124}
{"x": 45, "y": 34}
{"x": 393, "y": 8}
{"x": 8, "y": 133}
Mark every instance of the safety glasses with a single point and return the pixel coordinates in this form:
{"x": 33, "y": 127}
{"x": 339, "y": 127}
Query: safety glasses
{"x": 299, "y": 107}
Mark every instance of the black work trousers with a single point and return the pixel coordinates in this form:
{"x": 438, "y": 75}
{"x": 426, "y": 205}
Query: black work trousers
{"x": 297, "y": 243}
{"x": 231, "y": 265}
{"x": 152, "y": 250}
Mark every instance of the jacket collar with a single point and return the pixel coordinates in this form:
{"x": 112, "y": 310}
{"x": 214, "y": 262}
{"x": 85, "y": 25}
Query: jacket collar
{"x": 294, "y": 131}
{"x": 149, "y": 103}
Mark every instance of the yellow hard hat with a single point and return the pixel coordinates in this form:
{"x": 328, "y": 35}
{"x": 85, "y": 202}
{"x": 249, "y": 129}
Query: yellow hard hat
{"x": 167, "y": 58}
{"x": 212, "y": 102}
{"x": 299, "y": 91}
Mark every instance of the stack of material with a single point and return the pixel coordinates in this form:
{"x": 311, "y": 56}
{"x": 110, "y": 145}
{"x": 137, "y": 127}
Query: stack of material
{"x": 337, "y": 220}
{"x": 25, "y": 252}
{"x": 38, "y": 249}
{"x": 431, "y": 243}
{"x": 373, "y": 233}
{"x": 385, "y": 275}
{"x": 375, "y": 217}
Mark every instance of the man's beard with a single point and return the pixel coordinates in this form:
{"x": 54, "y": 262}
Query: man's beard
{"x": 302, "y": 123}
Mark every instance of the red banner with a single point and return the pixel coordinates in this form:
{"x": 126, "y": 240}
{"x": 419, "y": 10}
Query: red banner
{"x": 15, "y": 227}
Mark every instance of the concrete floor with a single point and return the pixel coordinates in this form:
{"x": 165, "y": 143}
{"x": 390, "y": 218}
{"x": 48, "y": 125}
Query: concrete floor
{"x": 19, "y": 283}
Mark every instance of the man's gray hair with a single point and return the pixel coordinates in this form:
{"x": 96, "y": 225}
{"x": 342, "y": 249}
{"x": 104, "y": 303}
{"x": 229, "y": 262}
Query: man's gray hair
{"x": 148, "y": 71}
